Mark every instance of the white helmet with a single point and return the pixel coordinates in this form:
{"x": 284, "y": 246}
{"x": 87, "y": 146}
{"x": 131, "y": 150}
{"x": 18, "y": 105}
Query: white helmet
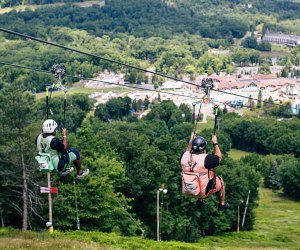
{"x": 49, "y": 126}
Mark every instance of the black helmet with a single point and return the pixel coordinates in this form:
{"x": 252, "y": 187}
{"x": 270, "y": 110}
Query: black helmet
{"x": 199, "y": 144}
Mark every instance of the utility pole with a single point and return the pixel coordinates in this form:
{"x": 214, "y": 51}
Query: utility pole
{"x": 49, "y": 223}
{"x": 162, "y": 189}
{"x": 245, "y": 209}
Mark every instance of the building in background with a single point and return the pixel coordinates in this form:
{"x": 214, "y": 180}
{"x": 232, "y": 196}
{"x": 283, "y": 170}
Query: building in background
{"x": 279, "y": 38}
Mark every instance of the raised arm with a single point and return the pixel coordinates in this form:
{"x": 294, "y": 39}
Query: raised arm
{"x": 189, "y": 147}
{"x": 64, "y": 139}
{"x": 217, "y": 150}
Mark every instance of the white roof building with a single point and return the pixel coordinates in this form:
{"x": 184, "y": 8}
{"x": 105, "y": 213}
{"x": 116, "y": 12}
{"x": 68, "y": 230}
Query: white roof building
{"x": 289, "y": 40}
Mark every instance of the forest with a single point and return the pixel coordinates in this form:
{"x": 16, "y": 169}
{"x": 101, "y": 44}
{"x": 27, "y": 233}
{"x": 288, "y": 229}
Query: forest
{"x": 130, "y": 158}
{"x": 157, "y": 19}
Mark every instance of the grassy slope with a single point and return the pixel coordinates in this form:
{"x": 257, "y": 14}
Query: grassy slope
{"x": 236, "y": 154}
{"x": 205, "y": 125}
{"x": 277, "y": 227}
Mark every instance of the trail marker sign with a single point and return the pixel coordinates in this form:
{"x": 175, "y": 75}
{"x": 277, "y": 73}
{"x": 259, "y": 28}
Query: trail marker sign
{"x": 47, "y": 190}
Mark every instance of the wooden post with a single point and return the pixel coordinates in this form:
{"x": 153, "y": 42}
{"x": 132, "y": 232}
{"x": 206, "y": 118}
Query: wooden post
{"x": 50, "y": 204}
{"x": 243, "y": 221}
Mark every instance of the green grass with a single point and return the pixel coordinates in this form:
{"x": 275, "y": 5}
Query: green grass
{"x": 207, "y": 125}
{"x": 277, "y": 227}
{"x": 236, "y": 154}
{"x": 277, "y": 50}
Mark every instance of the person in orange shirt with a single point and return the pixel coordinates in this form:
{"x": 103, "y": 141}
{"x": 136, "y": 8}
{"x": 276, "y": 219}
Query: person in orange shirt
{"x": 195, "y": 159}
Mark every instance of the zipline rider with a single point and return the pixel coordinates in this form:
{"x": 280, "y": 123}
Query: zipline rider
{"x": 61, "y": 155}
{"x": 195, "y": 162}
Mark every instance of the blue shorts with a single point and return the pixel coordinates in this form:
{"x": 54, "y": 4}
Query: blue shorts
{"x": 73, "y": 154}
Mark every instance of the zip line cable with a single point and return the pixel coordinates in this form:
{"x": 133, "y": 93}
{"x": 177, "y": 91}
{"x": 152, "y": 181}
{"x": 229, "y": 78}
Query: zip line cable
{"x": 95, "y": 80}
{"x": 129, "y": 66}
{"x": 135, "y": 87}
{"x": 92, "y": 55}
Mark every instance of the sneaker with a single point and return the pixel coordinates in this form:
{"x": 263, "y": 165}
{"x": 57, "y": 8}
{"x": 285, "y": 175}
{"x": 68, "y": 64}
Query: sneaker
{"x": 83, "y": 174}
{"x": 200, "y": 203}
{"x": 223, "y": 207}
{"x": 66, "y": 172}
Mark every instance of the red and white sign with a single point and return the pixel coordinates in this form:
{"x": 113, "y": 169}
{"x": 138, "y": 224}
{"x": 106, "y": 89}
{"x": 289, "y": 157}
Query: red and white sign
{"x": 46, "y": 190}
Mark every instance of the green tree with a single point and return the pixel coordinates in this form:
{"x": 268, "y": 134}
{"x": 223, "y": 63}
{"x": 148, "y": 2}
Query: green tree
{"x": 146, "y": 102}
{"x": 264, "y": 69}
{"x": 289, "y": 176}
{"x": 163, "y": 111}
{"x": 82, "y": 101}
{"x": 272, "y": 180}
{"x": 259, "y": 102}
{"x": 249, "y": 42}
{"x": 186, "y": 112}
{"x": 101, "y": 112}
{"x": 16, "y": 113}
{"x": 264, "y": 46}
{"x": 225, "y": 110}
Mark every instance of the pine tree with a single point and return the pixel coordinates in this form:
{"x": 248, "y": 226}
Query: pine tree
{"x": 16, "y": 113}
{"x": 225, "y": 110}
{"x": 146, "y": 102}
{"x": 272, "y": 180}
{"x": 259, "y": 102}
{"x": 134, "y": 105}
{"x": 158, "y": 97}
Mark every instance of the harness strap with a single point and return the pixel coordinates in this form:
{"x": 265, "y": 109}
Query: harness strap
{"x": 190, "y": 162}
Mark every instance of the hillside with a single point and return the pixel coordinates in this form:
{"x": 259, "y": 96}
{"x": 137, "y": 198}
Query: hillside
{"x": 277, "y": 227}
